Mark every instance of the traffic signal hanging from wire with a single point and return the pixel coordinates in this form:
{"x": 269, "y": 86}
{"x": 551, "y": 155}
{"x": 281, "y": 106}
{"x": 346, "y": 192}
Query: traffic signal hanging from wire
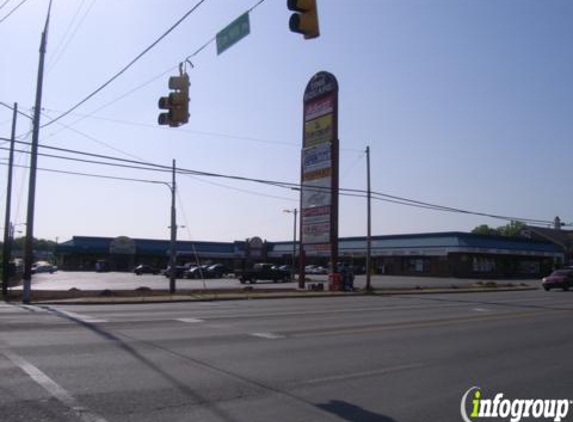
{"x": 306, "y": 20}
{"x": 177, "y": 103}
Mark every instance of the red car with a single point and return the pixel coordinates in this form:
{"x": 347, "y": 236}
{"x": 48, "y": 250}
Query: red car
{"x": 561, "y": 279}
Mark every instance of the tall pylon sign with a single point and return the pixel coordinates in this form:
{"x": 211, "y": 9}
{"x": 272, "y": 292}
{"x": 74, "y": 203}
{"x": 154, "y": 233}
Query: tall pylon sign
{"x": 319, "y": 168}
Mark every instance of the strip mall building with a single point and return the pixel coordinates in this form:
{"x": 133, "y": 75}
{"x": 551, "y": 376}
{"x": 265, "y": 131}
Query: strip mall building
{"x": 450, "y": 254}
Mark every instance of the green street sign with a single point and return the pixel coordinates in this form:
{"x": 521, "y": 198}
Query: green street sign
{"x": 233, "y": 32}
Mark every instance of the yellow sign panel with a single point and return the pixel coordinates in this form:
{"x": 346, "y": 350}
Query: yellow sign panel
{"x": 318, "y": 174}
{"x": 318, "y": 130}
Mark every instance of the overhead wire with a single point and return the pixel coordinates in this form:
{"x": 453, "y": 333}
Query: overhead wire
{"x": 126, "y": 67}
{"x": 63, "y": 45}
{"x": 142, "y": 165}
{"x": 12, "y": 11}
{"x": 98, "y": 176}
{"x": 187, "y": 59}
{"x": 4, "y": 4}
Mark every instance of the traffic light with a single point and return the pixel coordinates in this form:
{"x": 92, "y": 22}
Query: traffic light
{"x": 177, "y": 102}
{"x": 306, "y": 21}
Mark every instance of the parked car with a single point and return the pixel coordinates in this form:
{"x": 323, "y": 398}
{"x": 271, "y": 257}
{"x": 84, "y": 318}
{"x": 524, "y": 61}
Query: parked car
{"x": 145, "y": 269}
{"x": 179, "y": 270}
{"x": 318, "y": 270}
{"x": 43, "y": 267}
{"x": 560, "y": 279}
{"x": 197, "y": 272}
{"x": 219, "y": 270}
{"x": 262, "y": 271}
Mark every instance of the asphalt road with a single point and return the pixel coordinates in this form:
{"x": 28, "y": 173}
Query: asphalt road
{"x": 63, "y": 280}
{"x": 358, "y": 359}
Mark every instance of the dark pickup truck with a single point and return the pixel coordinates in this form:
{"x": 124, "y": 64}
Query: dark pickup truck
{"x": 262, "y": 272}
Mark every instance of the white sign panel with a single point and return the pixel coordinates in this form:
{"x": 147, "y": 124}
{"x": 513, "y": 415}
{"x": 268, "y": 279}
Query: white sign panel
{"x": 316, "y": 193}
{"x": 316, "y": 233}
{"x": 317, "y": 157}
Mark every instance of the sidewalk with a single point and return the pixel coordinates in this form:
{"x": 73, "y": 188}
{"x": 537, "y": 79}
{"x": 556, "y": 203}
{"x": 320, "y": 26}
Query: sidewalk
{"x": 145, "y": 295}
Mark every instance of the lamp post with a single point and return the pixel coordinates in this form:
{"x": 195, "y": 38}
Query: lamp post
{"x": 294, "y": 211}
{"x": 369, "y": 223}
{"x": 173, "y": 229}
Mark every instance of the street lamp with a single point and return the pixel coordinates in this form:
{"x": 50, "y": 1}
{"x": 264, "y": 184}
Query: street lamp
{"x": 294, "y": 211}
{"x": 173, "y": 229}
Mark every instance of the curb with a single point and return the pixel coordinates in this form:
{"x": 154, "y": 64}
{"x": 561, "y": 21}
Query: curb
{"x": 212, "y": 296}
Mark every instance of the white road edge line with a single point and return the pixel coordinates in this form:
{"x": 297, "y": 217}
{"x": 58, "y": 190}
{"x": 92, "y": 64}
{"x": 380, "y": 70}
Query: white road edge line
{"x": 268, "y": 336}
{"x": 189, "y": 320}
{"x": 53, "y": 388}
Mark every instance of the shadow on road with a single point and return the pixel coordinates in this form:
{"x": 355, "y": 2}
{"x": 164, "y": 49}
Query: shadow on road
{"x": 353, "y": 413}
{"x": 176, "y": 383}
{"x": 339, "y": 408}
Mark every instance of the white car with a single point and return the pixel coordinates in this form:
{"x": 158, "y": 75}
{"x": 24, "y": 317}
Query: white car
{"x": 43, "y": 267}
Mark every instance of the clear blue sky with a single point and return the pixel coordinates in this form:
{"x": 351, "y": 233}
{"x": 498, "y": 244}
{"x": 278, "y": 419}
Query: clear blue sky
{"x": 464, "y": 103}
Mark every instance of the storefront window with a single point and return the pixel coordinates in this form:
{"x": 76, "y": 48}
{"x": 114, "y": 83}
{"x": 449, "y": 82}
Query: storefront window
{"x": 483, "y": 265}
{"x": 529, "y": 267}
{"x": 417, "y": 265}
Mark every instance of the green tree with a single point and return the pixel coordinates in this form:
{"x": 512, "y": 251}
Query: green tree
{"x": 512, "y": 229}
{"x": 39, "y": 244}
{"x": 485, "y": 229}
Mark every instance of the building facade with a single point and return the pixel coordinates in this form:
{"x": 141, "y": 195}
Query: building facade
{"x": 450, "y": 254}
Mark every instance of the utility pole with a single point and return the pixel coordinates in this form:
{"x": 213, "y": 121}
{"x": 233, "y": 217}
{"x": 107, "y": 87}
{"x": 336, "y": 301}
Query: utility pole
{"x": 28, "y": 245}
{"x": 172, "y": 252}
{"x": 369, "y": 221}
{"x": 7, "y": 251}
{"x": 292, "y": 271}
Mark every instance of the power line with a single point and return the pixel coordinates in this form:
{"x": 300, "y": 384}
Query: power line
{"x": 13, "y": 10}
{"x": 98, "y": 176}
{"x": 142, "y": 165}
{"x": 125, "y": 68}
{"x": 63, "y": 45}
{"x": 4, "y": 4}
{"x": 187, "y": 59}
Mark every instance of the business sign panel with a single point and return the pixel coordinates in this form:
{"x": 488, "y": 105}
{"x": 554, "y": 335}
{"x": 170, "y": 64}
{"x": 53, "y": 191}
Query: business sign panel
{"x": 317, "y": 158}
{"x": 316, "y": 193}
{"x": 319, "y": 167}
{"x": 319, "y": 130}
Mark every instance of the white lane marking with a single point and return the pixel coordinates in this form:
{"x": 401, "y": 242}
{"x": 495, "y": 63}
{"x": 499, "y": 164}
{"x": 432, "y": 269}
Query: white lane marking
{"x": 344, "y": 377}
{"x": 481, "y": 310}
{"x": 78, "y": 317}
{"x": 57, "y": 391}
{"x": 268, "y": 336}
{"x": 189, "y": 320}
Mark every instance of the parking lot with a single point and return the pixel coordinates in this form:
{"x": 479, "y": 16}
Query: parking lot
{"x": 63, "y": 280}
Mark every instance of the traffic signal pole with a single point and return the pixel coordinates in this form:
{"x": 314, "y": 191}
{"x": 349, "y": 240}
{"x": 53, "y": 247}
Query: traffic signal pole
{"x": 173, "y": 243}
